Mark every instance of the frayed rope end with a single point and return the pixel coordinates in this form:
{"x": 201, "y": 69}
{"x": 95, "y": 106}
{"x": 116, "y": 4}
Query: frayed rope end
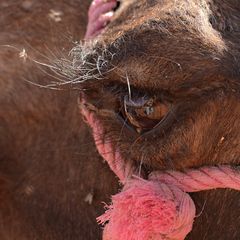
{"x": 147, "y": 210}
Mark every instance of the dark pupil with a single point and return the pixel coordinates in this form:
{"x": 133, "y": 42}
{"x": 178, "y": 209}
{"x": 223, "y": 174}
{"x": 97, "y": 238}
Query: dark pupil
{"x": 139, "y": 117}
{"x": 141, "y": 113}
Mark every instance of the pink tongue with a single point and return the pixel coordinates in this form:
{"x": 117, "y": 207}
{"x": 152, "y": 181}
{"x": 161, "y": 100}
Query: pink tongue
{"x": 99, "y": 14}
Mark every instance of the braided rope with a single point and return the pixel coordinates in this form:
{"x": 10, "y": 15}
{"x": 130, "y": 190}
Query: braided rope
{"x": 158, "y": 208}
{"x": 204, "y": 178}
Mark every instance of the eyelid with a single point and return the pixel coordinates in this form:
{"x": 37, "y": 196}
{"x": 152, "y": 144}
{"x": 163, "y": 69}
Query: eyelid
{"x": 166, "y": 122}
{"x": 142, "y": 101}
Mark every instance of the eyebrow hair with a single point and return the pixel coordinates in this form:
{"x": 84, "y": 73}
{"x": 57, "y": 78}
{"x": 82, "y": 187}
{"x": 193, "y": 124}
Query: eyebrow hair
{"x": 91, "y": 60}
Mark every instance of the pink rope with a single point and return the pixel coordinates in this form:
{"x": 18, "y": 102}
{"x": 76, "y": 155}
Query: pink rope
{"x": 122, "y": 169}
{"x": 158, "y": 208}
{"x": 204, "y": 178}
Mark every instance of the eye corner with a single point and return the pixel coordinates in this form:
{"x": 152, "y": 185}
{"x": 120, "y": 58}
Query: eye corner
{"x": 143, "y": 113}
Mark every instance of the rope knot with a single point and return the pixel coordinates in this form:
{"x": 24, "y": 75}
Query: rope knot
{"x": 148, "y": 210}
{"x": 158, "y": 208}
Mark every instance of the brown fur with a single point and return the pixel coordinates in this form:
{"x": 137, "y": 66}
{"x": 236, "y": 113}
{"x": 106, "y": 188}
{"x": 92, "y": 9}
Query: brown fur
{"x": 48, "y": 160}
{"x": 186, "y": 52}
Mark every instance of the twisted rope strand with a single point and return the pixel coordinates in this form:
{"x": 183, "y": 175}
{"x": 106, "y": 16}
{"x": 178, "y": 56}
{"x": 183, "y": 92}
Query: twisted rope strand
{"x": 124, "y": 170}
{"x": 204, "y": 178}
{"x": 159, "y": 208}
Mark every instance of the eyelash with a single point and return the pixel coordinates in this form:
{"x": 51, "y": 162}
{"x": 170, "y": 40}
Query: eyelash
{"x": 134, "y": 113}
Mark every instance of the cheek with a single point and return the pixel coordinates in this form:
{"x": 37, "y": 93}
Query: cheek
{"x": 155, "y": 151}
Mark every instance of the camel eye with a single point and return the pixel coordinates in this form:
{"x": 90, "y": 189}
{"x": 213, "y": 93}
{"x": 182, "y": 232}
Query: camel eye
{"x": 143, "y": 113}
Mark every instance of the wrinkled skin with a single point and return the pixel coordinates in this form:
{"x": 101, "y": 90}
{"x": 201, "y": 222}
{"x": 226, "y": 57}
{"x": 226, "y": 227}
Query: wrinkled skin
{"x": 184, "y": 53}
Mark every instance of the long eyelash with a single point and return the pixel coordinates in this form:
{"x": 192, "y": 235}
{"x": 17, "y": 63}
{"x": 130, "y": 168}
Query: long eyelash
{"x": 121, "y": 132}
{"x": 143, "y": 157}
{"x": 129, "y": 87}
{"x": 121, "y": 90}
